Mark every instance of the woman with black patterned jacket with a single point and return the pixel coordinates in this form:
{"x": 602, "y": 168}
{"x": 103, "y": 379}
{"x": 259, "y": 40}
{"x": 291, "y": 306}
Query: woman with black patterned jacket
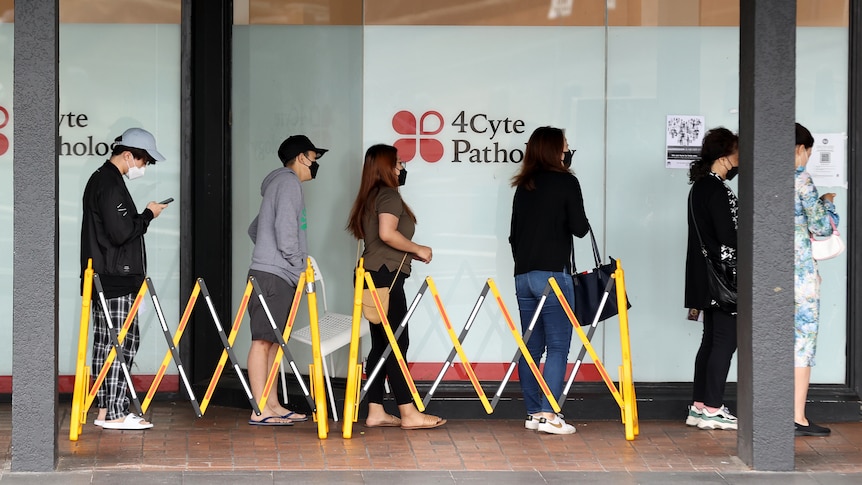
{"x": 712, "y": 211}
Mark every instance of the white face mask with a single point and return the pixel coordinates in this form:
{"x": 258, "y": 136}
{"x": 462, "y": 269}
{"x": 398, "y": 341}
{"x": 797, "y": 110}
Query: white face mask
{"x": 135, "y": 171}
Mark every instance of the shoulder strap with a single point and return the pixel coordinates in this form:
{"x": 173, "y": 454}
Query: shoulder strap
{"x": 597, "y": 256}
{"x": 694, "y": 220}
{"x": 398, "y": 272}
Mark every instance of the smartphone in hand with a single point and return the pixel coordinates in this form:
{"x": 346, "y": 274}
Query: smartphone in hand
{"x": 167, "y": 201}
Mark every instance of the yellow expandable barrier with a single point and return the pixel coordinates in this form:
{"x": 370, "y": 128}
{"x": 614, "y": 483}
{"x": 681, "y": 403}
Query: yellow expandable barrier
{"x": 585, "y": 341}
{"x": 282, "y": 350}
{"x": 354, "y": 368}
{"x": 84, "y": 394}
{"x": 82, "y": 377}
{"x": 393, "y": 344}
{"x": 630, "y": 406}
{"x": 227, "y": 342}
{"x": 456, "y": 341}
{"x": 113, "y": 353}
{"x": 626, "y": 397}
{"x": 172, "y": 353}
{"x": 321, "y": 413}
{"x": 522, "y": 348}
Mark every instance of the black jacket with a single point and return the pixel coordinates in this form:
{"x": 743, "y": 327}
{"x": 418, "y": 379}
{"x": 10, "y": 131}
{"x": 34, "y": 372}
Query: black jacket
{"x": 714, "y": 208}
{"x": 544, "y": 220}
{"x": 112, "y": 233}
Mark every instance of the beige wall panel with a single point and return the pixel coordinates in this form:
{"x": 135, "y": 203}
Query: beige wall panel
{"x": 823, "y": 13}
{"x": 717, "y": 13}
{"x": 668, "y": 13}
{"x": 6, "y": 10}
{"x": 810, "y": 13}
{"x": 120, "y": 11}
{"x": 308, "y": 12}
{"x": 484, "y": 12}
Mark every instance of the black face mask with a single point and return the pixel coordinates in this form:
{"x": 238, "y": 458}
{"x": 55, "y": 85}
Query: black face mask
{"x": 402, "y": 176}
{"x": 313, "y": 168}
{"x": 731, "y": 174}
{"x": 567, "y": 158}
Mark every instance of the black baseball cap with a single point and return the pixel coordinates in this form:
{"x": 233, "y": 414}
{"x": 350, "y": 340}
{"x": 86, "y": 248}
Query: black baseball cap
{"x": 296, "y": 144}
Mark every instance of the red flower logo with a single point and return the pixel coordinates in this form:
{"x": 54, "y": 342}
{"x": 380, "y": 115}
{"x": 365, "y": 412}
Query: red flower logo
{"x": 430, "y": 149}
{"x": 4, "y": 142}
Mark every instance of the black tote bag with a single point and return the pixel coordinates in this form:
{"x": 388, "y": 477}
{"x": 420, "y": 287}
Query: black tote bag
{"x": 590, "y": 287}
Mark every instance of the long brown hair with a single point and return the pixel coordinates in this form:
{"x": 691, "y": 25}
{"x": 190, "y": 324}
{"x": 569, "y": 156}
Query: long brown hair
{"x": 377, "y": 172}
{"x": 543, "y": 153}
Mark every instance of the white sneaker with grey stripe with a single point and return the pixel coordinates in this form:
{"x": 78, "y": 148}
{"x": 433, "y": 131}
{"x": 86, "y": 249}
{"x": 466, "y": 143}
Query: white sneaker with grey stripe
{"x": 720, "y": 419}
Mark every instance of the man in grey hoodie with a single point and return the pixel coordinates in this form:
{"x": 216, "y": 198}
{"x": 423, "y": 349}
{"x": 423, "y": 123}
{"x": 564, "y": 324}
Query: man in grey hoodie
{"x": 280, "y": 253}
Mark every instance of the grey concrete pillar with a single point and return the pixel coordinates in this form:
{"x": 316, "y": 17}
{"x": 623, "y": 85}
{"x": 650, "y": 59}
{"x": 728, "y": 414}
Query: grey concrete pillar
{"x": 36, "y": 236}
{"x": 767, "y": 101}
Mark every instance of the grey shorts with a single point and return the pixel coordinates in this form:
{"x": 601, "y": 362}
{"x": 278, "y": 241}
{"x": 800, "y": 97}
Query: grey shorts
{"x": 278, "y": 295}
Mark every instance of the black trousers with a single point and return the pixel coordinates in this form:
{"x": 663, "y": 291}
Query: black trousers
{"x": 397, "y": 309}
{"x": 713, "y": 358}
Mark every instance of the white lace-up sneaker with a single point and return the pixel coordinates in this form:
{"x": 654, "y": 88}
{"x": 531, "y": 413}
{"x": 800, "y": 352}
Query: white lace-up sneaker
{"x": 721, "y": 419}
{"x": 694, "y": 416}
{"x": 532, "y": 422}
{"x": 555, "y": 426}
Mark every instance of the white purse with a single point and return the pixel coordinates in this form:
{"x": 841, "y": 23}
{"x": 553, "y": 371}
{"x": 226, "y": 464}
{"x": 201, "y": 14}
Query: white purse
{"x": 829, "y": 247}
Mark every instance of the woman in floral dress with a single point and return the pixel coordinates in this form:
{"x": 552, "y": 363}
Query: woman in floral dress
{"x": 812, "y": 216}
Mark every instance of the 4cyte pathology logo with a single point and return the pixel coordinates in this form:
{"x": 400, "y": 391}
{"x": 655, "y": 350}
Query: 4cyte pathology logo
{"x": 475, "y": 142}
{"x": 430, "y": 149}
{"x": 4, "y": 120}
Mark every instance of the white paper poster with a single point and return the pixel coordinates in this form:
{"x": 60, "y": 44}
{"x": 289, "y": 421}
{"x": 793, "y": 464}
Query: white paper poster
{"x": 828, "y": 156}
{"x": 683, "y": 138}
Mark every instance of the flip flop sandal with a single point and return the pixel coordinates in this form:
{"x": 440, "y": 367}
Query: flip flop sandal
{"x": 130, "y": 422}
{"x": 266, "y": 422}
{"x": 427, "y": 424}
{"x": 391, "y": 422}
{"x": 295, "y": 420}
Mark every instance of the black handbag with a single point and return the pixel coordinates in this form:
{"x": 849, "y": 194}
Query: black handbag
{"x": 720, "y": 275}
{"x": 592, "y": 286}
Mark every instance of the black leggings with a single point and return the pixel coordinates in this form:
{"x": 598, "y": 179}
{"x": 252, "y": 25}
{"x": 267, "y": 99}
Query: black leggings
{"x": 397, "y": 309}
{"x": 713, "y": 358}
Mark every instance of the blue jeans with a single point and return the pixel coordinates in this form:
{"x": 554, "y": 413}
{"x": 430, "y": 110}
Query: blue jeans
{"x": 552, "y": 335}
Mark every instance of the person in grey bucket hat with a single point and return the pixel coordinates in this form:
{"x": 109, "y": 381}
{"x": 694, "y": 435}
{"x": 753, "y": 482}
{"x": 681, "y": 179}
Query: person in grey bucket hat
{"x": 112, "y": 236}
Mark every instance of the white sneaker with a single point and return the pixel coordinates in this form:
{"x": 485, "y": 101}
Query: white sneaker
{"x": 721, "y": 419}
{"x": 555, "y": 426}
{"x": 694, "y": 416}
{"x": 99, "y": 422}
{"x": 532, "y": 422}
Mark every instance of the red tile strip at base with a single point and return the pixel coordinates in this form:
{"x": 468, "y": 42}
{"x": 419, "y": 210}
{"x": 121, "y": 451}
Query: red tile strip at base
{"x": 421, "y": 371}
{"x": 489, "y": 371}
{"x": 170, "y": 383}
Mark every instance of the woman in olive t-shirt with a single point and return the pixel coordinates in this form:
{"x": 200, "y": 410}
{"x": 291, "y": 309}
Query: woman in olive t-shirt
{"x": 381, "y": 218}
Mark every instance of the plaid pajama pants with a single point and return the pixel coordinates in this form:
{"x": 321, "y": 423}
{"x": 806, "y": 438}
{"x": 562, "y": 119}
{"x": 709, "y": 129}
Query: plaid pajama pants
{"x": 112, "y": 394}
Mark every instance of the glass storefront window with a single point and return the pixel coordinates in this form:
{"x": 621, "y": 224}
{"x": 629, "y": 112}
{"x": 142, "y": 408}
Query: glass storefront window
{"x": 610, "y": 73}
{"x": 119, "y": 68}
{"x": 6, "y": 189}
{"x": 297, "y": 70}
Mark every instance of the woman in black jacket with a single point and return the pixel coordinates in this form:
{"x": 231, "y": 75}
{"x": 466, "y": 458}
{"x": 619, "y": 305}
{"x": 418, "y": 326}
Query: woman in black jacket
{"x": 547, "y": 210}
{"x": 712, "y": 211}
